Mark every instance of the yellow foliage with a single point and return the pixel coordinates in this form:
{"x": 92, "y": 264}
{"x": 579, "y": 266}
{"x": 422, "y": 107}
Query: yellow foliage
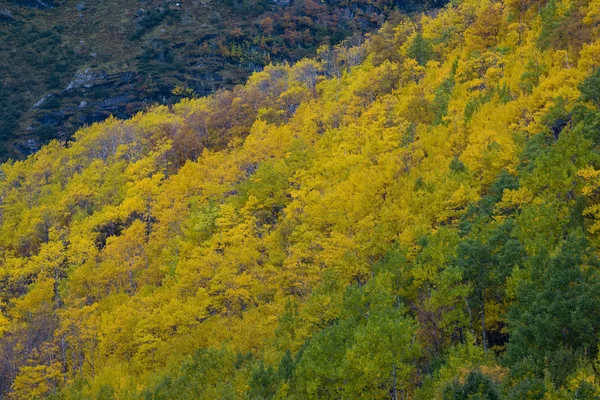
{"x": 184, "y": 228}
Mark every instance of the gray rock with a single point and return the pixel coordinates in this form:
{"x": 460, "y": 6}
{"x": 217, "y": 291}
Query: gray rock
{"x": 54, "y": 118}
{"x": 80, "y": 7}
{"x": 114, "y": 101}
{"x": 127, "y": 77}
{"x": 29, "y": 146}
{"x": 6, "y": 15}
{"x": 35, "y": 3}
{"x": 87, "y": 78}
{"x": 41, "y": 101}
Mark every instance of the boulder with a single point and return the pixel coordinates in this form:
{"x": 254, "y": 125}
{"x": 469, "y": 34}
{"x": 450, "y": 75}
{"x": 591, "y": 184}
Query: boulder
{"x": 41, "y": 101}
{"x": 87, "y": 78}
{"x": 6, "y": 15}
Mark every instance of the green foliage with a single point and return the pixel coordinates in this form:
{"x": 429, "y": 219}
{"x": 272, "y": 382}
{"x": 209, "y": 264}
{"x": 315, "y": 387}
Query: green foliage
{"x": 457, "y": 166}
{"x": 368, "y": 352}
{"x": 549, "y": 332}
{"x": 555, "y": 25}
{"x": 420, "y": 49}
{"x": 442, "y": 97}
{"x": 590, "y": 88}
{"x": 263, "y": 383}
{"x": 476, "y": 387}
{"x": 206, "y": 375}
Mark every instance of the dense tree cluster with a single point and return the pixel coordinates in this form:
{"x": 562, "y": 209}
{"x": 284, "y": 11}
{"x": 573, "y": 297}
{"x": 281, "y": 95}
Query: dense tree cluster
{"x": 412, "y": 217}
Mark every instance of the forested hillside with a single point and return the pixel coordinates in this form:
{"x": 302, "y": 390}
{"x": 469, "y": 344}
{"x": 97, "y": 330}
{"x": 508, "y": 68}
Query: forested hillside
{"x": 65, "y": 64}
{"x": 414, "y": 217}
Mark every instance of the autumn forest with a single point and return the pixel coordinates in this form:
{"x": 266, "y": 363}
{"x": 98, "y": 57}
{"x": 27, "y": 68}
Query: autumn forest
{"x": 413, "y": 214}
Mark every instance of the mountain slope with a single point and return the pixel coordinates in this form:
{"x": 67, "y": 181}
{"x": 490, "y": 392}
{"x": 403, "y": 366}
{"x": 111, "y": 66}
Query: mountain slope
{"x": 414, "y": 217}
{"x": 66, "y": 64}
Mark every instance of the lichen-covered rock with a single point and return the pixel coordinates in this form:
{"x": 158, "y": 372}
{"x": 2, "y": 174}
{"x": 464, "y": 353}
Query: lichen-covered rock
{"x": 6, "y": 15}
{"x": 87, "y": 78}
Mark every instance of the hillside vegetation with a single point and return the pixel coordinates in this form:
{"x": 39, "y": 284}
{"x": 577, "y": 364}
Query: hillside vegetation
{"x": 415, "y": 217}
{"x": 65, "y": 64}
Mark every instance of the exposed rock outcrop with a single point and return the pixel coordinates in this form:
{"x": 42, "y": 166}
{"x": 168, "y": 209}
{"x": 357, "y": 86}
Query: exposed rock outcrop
{"x": 6, "y": 15}
{"x": 34, "y": 3}
{"x": 87, "y": 78}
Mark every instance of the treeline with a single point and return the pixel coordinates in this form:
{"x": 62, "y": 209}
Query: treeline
{"x": 200, "y": 46}
{"x": 415, "y": 216}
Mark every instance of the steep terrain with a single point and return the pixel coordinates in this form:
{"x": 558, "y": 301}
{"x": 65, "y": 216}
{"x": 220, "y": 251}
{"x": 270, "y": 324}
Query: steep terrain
{"x": 67, "y": 63}
{"x": 414, "y": 217}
